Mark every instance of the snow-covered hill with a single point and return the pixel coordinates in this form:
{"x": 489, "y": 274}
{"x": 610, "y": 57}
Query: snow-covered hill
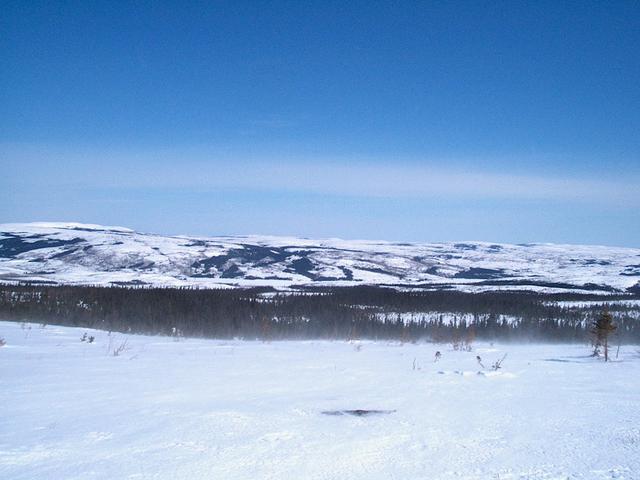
{"x": 72, "y": 253}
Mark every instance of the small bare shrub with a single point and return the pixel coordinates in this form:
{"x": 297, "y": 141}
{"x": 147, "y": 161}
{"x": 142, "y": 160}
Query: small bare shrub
{"x": 416, "y": 365}
{"x": 87, "y": 338}
{"x": 461, "y": 346}
{"x": 497, "y": 365}
{"x": 121, "y": 348}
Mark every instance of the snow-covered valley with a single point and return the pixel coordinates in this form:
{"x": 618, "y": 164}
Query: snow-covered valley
{"x": 209, "y": 409}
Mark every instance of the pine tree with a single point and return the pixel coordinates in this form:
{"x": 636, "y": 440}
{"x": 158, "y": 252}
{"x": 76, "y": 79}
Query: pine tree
{"x": 602, "y": 328}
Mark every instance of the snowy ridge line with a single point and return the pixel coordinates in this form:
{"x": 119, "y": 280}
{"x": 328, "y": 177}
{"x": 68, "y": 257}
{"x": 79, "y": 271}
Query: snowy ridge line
{"x": 88, "y": 254}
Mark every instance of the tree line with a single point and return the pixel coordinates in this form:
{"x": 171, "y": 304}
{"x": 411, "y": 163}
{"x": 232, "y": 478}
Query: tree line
{"x": 318, "y": 313}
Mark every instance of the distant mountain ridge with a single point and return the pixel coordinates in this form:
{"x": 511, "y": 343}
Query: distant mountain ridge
{"x": 75, "y": 253}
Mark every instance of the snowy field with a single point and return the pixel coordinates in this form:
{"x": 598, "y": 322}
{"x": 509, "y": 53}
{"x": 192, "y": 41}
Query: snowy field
{"x": 206, "y": 409}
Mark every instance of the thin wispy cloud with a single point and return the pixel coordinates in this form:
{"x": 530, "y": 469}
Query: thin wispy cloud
{"x": 194, "y": 169}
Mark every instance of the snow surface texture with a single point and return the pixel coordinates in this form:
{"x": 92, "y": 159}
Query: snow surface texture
{"x": 207, "y": 409}
{"x": 72, "y": 253}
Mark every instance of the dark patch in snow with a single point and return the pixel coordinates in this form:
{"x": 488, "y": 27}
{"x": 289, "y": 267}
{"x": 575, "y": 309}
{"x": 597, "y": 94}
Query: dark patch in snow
{"x": 631, "y": 271}
{"x": 99, "y": 229}
{"x": 590, "y": 261}
{"x": 348, "y": 274}
{"x": 634, "y": 289}
{"x": 378, "y": 270}
{"x": 232, "y": 271}
{"x": 270, "y": 277}
{"x": 128, "y": 283}
{"x": 142, "y": 265}
{"x": 476, "y": 273}
{"x": 302, "y": 266}
{"x": 357, "y": 413}
{"x": 14, "y": 245}
{"x": 433, "y": 271}
{"x": 64, "y": 253}
{"x": 465, "y": 246}
{"x": 226, "y": 265}
{"x": 195, "y": 243}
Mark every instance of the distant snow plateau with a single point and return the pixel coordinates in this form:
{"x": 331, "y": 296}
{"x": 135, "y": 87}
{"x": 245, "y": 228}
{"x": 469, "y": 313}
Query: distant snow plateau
{"x": 87, "y": 254}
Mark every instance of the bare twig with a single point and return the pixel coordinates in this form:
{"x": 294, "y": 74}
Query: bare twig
{"x": 121, "y": 348}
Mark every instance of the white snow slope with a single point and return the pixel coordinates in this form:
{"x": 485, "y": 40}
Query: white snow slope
{"x": 207, "y": 409}
{"x": 71, "y": 253}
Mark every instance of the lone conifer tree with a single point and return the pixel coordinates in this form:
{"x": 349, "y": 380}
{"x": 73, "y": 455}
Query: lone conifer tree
{"x": 602, "y": 328}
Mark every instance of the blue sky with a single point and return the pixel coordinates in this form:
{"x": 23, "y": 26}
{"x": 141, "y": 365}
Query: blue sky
{"x": 424, "y": 121}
